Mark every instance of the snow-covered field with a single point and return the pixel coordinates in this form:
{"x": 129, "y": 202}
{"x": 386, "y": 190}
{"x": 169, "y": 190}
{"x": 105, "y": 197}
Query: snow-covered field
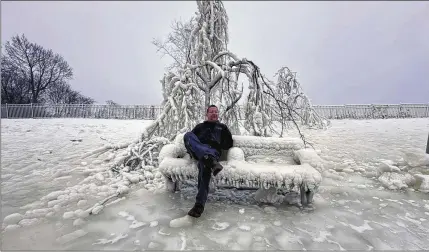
{"x": 353, "y": 210}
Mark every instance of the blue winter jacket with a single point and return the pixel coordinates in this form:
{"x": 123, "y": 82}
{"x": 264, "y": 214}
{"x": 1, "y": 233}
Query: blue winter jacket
{"x": 215, "y": 134}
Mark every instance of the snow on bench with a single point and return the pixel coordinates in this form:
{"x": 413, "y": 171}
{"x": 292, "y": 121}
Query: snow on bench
{"x": 176, "y": 166}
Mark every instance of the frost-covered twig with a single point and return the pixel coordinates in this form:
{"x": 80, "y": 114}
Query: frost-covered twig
{"x": 106, "y": 148}
{"x": 290, "y": 113}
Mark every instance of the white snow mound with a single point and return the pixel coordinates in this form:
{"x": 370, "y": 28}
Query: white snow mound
{"x": 416, "y": 158}
{"x": 184, "y": 221}
{"x": 424, "y": 182}
{"x": 388, "y": 166}
{"x": 394, "y": 181}
{"x": 13, "y": 219}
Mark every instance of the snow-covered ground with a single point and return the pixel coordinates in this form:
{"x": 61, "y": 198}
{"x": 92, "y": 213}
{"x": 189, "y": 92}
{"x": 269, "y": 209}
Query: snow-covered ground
{"x": 353, "y": 210}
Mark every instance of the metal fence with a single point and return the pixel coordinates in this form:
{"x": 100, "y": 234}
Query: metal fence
{"x": 371, "y": 111}
{"x": 79, "y": 111}
{"x": 148, "y": 112}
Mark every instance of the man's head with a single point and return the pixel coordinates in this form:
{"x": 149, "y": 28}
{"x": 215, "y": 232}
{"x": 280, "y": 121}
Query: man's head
{"x": 212, "y": 113}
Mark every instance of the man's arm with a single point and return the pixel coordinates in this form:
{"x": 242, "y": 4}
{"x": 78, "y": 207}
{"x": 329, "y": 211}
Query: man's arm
{"x": 227, "y": 141}
{"x": 196, "y": 129}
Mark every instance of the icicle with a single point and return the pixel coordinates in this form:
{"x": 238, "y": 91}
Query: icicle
{"x": 182, "y": 177}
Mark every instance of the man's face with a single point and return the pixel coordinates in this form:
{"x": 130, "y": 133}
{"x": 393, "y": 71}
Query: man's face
{"x": 212, "y": 114}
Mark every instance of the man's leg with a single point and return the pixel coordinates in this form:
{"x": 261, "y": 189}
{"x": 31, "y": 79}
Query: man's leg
{"x": 202, "y": 152}
{"x": 197, "y": 149}
{"x": 204, "y": 175}
{"x": 206, "y": 157}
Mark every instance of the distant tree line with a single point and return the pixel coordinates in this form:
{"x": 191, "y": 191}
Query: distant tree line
{"x": 33, "y": 74}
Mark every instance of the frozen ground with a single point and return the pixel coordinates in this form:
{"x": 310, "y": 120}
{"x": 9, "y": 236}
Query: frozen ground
{"x": 352, "y": 209}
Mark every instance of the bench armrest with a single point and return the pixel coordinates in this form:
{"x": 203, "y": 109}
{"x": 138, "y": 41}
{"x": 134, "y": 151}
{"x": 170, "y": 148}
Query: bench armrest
{"x": 171, "y": 151}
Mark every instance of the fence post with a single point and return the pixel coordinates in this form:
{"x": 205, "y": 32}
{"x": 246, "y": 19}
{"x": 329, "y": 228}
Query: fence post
{"x": 427, "y": 110}
{"x": 32, "y": 112}
{"x": 427, "y": 146}
{"x": 152, "y": 108}
{"x": 7, "y": 111}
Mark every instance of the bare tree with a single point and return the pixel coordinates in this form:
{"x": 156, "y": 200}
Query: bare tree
{"x": 58, "y": 93}
{"x": 62, "y": 93}
{"x": 175, "y": 44}
{"x": 39, "y": 67}
{"x": 14, "y": 88}
{"x": 112, "y": 103}
{"x": 75, "y": 97}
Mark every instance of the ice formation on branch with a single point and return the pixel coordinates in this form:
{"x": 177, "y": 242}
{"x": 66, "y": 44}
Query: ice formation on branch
{"x": 291, "y": 103}
{"x": 205, "y": 73}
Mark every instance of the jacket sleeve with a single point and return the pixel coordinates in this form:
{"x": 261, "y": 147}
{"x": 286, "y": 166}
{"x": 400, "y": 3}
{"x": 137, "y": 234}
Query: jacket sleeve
{"x": 227, "y": 141}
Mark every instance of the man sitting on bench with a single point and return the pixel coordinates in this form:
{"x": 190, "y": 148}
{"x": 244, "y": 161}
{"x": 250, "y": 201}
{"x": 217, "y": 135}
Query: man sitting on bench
{"x": 204, "y": 143}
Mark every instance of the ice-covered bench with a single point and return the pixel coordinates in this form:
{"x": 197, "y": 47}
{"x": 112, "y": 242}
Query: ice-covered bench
{"x": 303, "y": 175}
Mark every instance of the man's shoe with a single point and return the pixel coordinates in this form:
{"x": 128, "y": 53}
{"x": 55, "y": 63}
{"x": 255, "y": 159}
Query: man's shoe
{"x": 196, "y": 211}
{"x": 216, "y": 168}
{"x": 212, "y": 164}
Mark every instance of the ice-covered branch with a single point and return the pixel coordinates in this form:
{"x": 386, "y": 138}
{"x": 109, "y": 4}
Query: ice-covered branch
{"x": 289, "y": 90}
{"x": 234, "y": 102}
{"x": 226, "y": 53}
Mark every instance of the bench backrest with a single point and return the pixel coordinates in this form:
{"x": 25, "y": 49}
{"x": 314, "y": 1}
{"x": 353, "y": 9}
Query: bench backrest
{"x": 255, "y": 145}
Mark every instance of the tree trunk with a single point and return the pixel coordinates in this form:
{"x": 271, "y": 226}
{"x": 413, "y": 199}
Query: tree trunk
{"x": 34, "y": 98}
{"x": 207, "y": 99}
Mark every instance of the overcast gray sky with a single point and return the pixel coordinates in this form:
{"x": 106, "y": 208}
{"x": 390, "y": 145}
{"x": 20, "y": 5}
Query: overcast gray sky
{"x": 344, "y": 52}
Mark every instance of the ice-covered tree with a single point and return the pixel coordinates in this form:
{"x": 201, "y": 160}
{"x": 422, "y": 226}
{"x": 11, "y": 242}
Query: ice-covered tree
{"x": 205, "y": 73}
{"x": 175, "y": 43}
{"x": 291, "y": 104}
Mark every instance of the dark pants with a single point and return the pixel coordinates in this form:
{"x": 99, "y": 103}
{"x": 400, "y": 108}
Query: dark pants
{"x": 198, "y": 150}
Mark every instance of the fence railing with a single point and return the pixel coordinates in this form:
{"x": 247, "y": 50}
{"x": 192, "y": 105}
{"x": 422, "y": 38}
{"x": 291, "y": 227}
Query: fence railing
{"x": 371, "y": 111}
{"x": 79, "y": 111}
{"x": 149, "y": 112}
